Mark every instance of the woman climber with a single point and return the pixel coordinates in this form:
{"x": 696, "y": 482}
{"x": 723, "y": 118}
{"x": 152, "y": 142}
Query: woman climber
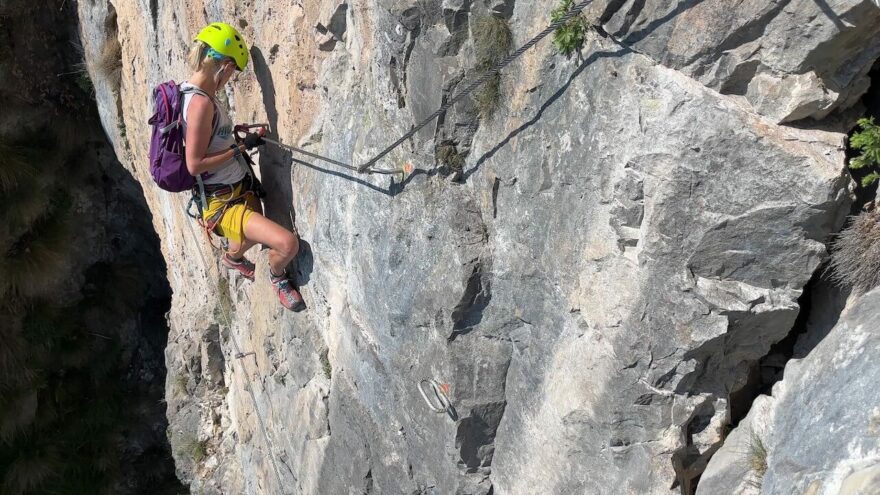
{"x": 232, "y": 206}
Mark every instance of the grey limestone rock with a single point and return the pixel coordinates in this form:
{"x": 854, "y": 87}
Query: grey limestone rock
{"x": 821, "y": 427}
{"x": 791, "y": 59}
{"x": 625, "y": 240}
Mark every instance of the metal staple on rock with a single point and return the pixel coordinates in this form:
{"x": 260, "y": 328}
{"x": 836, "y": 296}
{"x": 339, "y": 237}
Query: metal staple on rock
{"x": 250, "y": 389}
{"x": 442, "y": 404}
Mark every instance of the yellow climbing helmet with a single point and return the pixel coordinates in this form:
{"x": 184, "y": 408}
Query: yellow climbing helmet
{"x": 225, "y": 40}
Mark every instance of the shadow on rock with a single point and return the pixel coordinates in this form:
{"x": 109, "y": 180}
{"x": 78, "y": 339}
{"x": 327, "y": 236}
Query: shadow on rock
{"x": 304, "y": 263}
{"x": 275, "y": 163}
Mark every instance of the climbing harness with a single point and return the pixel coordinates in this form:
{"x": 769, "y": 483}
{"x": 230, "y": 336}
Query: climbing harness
{"x": 436, "y": 398}
{"x": 217, "y": 192}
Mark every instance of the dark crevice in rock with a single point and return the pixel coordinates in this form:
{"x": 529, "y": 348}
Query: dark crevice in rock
{"x": 368, "y": 483}
{"x": 393, "y": 70}
{"x": 469, "y": 311}
{"x": 91, "y": 328}
{"x": 630, "y": 17}
{"x": 689, "y": 461}
{"x": 821, "y": 303}
{"x": 456, "y": 21}
{"x": 154, "y": 12}
{"x": 475, "y": 436}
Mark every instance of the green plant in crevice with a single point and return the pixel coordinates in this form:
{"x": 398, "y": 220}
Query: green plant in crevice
{"x": 492, "y": 42}
{"x": 199, "y": 450}
{"x": 756, "y": 458}
{"x": 225, "y": 307}
{"x": 180, "y": 382}
{"x": 866, "y": 140}
{"x": 570, "y": 36}
{"x": 447, "y": 154}
{"x": 325, "y": 363}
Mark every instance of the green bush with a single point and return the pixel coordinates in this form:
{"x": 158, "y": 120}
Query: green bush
{"x": 569, "y": 37}
{"x": 867, "y": 140}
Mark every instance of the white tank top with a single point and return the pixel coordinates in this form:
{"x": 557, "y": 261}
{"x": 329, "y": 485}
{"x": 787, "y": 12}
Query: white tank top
{"x": 233, "y": 170}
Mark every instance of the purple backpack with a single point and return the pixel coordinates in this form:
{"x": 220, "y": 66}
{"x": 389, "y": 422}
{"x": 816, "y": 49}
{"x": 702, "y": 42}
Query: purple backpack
{"x": 167, "y": 154}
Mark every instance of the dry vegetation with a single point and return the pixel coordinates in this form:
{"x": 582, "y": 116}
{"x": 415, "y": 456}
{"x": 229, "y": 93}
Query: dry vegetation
{"x": 492, "y": 42}
{"x": 855, "y": 255}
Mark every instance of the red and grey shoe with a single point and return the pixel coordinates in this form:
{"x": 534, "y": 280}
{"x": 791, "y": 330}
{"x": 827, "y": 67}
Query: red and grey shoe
{"x": 289, "y": 297}
{"x": 242, "y": 266}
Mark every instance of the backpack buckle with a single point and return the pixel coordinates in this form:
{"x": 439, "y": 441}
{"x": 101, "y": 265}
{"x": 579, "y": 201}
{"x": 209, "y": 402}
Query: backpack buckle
{"x": 169, "y": 127}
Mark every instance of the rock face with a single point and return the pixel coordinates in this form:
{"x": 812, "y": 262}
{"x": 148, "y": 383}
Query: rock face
{"x": 791, "y": 59}
{"x": 820, "y": 430}
{"x": 591, "y": 270}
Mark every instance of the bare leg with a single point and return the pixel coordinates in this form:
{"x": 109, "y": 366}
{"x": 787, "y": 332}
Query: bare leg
{"x": 237, "y": 249}
{"x": 283, "y": 244}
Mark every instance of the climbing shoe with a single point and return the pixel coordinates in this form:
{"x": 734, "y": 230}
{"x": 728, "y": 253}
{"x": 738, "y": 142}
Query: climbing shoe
{"x": 289, "y": 297}
{"x": 243, "y": 266}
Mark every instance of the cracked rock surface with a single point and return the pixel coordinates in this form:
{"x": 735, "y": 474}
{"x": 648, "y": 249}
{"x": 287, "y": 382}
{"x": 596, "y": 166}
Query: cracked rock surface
{"x": 821, "y": 428}
{"x": 623, "y": 238}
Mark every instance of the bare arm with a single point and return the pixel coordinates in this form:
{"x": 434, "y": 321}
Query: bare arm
{"x": 199, "y": 120}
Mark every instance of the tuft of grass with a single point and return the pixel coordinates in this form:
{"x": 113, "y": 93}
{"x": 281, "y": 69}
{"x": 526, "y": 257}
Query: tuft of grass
{"x": 447, "y": 154}
{"x": 325, "y": 363}
{"x": 109, "y": 64}
{"x": 569, "y": 37}
{"x": 190, "y": 446}
{"x": 199, "y": 450}
{"x": 866, "y": 140}
{"x": 179, "y": 382}
{"x": 757, "y": 458}
{"x": 855, "y": 253}
{"x": 225, "y": 308}
{"x": 492, "y": 42}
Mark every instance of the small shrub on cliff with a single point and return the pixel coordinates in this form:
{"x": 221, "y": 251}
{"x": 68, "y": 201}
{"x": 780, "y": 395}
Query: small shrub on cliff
{"x": 447, "y": 154}
{"x": 866, "y": 140}
{"x": 855, "y": 254}
{"x": 569, "y": 37}
{"x": 492, "y": 41}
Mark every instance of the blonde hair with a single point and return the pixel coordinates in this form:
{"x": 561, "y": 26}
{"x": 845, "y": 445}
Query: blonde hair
{"x": 198, "y": 57}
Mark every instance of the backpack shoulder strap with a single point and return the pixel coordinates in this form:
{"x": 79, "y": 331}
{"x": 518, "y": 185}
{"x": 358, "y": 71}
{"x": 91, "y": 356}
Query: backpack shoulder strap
{"x": 216, "y": 120}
